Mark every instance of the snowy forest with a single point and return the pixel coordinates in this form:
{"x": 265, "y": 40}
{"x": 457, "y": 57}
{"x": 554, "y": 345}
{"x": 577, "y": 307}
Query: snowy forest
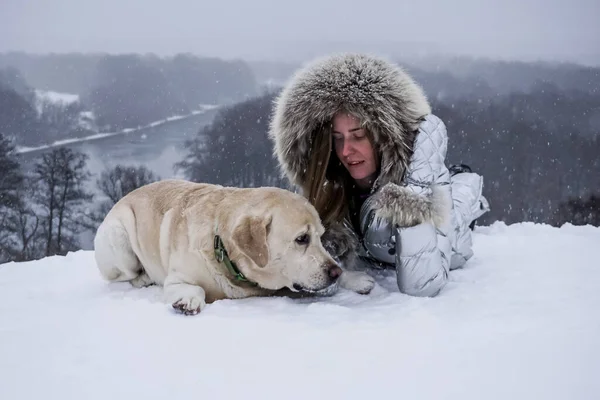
{"x": 531, "y": 129}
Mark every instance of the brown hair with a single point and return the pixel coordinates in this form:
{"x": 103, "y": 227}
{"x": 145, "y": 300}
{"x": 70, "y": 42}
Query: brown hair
{"x": 328, "y": 184}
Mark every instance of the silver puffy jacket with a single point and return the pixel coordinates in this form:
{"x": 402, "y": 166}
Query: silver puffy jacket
{"x": 423, "y": 254}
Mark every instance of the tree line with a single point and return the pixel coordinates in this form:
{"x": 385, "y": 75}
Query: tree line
{"x": 128, "y": 91}
{"x": 115, "y": 91}
{"x": 31, "y": 121}
{"x": 539, "y": 151}
{"x": 538, "y": 148}
{"x": 533, "y": 169}
{"x": 43, "y": 213}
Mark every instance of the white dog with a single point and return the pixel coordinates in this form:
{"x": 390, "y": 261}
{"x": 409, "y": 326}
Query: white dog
{"x": 205, "y": 242}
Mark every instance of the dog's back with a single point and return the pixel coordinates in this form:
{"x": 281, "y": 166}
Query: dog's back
{"x": 137, "y": 233}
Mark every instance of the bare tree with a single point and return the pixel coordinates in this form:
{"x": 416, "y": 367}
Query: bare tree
{"x": 235, "y": 150}
{"x": 117, "y": 182}
{"x": 122, "y": 179}
{"x": 7, "y": 243}
{"x": 11, "y": 177}
{"x": 11, "y": 181}
{"x": 61, "y": 175}
{"x": 21, "y": 225}
{"x": 60, "y": 120}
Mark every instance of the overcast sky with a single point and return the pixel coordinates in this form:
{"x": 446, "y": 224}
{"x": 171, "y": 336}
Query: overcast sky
{"x": 522, "y": 29}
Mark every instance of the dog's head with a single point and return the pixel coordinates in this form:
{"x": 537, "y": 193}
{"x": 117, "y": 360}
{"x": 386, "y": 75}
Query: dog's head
{"x": 282, "y": 247}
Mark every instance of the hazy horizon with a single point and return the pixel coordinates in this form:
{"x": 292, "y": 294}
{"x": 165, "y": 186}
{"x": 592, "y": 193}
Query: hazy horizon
{"x": 527, "y": 30}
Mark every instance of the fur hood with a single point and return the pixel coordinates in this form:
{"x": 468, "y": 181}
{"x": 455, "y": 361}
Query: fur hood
{"x": 381, "y": 94}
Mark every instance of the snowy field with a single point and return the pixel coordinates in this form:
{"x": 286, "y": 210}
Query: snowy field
{"x": 54, "y": 97}
{"x": 520, "y": 321}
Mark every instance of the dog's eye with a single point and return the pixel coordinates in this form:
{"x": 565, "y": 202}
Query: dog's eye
{"x": 303, "y": 239}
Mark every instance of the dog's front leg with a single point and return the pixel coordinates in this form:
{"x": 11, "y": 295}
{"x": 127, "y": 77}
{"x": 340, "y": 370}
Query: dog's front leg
{"x": 186, "y": 298}
{"x": 357, "y": 281}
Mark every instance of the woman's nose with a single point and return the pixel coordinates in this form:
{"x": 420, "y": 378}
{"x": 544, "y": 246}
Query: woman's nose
{"x": 347, "y": 148}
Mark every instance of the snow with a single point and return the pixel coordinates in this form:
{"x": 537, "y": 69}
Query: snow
{"x": 520, "y": 321}
{"x": 56, "y": 97}
{"x": 50, "y": 96}
{"x": 87, "y": 120}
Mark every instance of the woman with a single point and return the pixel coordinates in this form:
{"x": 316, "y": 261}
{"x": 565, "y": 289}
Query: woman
{"x": 356, "y": 134}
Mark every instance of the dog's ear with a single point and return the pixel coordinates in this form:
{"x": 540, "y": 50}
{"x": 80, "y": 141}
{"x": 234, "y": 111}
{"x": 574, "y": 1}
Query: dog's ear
{"x": 250, "y": 236}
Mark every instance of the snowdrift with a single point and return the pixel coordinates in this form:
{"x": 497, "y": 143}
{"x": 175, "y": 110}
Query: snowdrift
{"x": 520, "y": 321}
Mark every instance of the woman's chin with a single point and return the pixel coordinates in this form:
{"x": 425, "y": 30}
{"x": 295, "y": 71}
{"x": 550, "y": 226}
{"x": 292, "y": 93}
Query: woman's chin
{"x": 362, "y": 178}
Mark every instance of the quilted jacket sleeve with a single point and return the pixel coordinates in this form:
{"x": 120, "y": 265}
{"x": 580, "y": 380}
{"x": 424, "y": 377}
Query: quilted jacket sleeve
{"x": 469, "y": 204}
{"x": 420, "y": 252}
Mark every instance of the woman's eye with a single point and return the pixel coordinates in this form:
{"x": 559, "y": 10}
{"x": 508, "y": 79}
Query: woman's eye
{"x": 303, "y": 239}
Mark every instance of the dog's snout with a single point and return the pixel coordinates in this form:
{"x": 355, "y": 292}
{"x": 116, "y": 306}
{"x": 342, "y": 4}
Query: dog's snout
{"x": 334, "y": 271}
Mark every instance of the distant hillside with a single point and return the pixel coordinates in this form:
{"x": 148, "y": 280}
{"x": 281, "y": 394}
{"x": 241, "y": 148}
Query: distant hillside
{"x": 508, "y": 76}
{"x": 447, "y": 77}
{"x": 77, "y": 72}
{"x": 537, "y": 147}
{"x": 130, "y": 90}
{"x": 31, "y": 117}
{"x": 66, "y": 73}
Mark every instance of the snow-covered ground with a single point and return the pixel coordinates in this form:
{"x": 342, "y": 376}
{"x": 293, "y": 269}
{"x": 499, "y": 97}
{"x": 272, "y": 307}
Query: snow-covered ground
{"x": 54, "y": 97}
{"x": 520, "y": 321}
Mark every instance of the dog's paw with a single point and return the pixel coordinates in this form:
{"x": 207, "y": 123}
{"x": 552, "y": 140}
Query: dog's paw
{"x": 190, "y": 305}
{"x": 142, "y": 280}
{"x": 356, "y": 281}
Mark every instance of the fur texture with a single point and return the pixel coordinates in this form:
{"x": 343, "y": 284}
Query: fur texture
{"x": 163, "y": 233}
{"x": 340, "y": 241}
{"x": 392, "y": 106}
{"x": 403, "y": 207}
{"x": 384, "y": 96}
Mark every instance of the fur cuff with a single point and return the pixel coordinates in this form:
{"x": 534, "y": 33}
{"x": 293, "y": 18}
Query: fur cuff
{"x": 340, "y": 243}
{"x": 405, "y": 208}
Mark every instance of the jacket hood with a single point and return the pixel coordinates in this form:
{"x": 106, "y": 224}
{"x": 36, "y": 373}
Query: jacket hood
{"x": 382, "y": 95}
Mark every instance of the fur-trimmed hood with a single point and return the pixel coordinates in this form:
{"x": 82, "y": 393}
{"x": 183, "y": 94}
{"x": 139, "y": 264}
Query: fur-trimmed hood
{"x": 381, "y": 94}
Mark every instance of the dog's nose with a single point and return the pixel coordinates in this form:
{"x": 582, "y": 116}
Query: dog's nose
{"x": 334, "y": 271}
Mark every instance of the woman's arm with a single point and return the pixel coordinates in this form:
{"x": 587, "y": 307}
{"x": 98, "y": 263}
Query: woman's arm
{"x": 408, "y": 224}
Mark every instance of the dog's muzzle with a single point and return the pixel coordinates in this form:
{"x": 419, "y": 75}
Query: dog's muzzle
{"x": 326, "y": 291}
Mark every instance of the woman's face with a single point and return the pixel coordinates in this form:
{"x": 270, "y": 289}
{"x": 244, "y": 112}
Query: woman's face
{"x": 354, "y": 149}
